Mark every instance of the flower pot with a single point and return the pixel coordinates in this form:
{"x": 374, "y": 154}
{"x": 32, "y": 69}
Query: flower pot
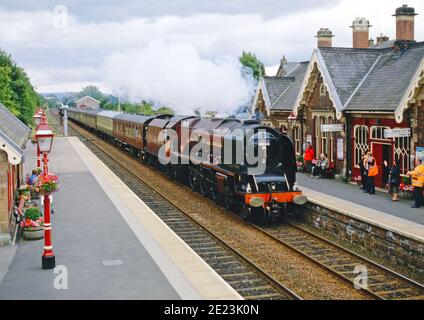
{"x": 33, "y": 233}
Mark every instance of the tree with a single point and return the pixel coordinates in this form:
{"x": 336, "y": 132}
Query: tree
{"x": 164, "y": 110}
{"x": 249, "y": 60}
{"x": 16, "y": 90}
{"x": 91, "y": 91}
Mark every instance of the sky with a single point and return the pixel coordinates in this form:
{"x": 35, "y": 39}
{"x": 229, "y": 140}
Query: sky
{"x": 160, "y": 48}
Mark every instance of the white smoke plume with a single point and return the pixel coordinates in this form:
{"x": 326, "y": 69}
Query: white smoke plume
{"x": 175, "y": 75}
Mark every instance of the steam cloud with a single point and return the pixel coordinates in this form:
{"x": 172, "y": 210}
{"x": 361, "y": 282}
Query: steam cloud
{"x": 175, "y": 75}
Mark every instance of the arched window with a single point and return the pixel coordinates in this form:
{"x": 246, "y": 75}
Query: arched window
{"x": 402, "y": 153}
{"x": 296, "y": 139}
{"x": 361, "y": 142}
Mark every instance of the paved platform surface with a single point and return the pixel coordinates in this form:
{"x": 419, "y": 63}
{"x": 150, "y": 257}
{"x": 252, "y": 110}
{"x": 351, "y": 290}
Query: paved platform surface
{"x": 112, "y": 245}
{"x": 377, "y": 209}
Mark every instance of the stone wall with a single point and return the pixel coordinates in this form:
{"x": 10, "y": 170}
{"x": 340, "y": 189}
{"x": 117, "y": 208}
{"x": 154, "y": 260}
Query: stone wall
{"x": 385, "y": 244}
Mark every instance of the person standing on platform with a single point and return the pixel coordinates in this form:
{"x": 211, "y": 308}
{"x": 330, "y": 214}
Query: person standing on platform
{"x": 372, "y": 173}
{"x": 362, "y": 169}
{"x": 394, "y": 180}
{"x": 33, "y": 178}
{"x": 386, "y": 173}
{"x": 418, "y": 183}
{"x": 309, "y": 157}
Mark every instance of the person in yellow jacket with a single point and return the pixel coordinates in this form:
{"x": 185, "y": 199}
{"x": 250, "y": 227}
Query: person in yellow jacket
{"x": 418, "y": 183}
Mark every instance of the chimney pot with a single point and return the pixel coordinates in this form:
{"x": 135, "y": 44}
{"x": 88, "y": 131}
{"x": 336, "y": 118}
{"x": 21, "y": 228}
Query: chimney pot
{"x": 405, "y": 19}
{"x": 325, "y": 38}
{"x": 361, "y": 32}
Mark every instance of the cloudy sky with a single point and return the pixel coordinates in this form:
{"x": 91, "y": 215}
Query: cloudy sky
{"x": 145, "y": 46}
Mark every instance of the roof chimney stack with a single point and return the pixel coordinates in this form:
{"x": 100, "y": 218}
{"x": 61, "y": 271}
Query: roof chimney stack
{"x": 381, "y": 39}
{"x": 405, "y": 17}
{"x": 324, "y": 37}
{"x": 361, "y": 32}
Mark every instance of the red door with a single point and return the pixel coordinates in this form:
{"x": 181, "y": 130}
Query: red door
{"x": 381, "y": 152}
{"x": 377, "y": 152}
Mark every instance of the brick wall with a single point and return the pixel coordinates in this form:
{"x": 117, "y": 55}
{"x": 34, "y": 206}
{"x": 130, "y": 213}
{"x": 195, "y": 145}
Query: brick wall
{"x": 316, "y": 104}
{"x": 360, "y": 39}
{"x": 405, "y": 28}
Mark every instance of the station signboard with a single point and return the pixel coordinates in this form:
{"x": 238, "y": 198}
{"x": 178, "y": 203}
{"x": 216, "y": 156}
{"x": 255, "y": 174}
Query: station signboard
{"x": 335, "y": 127}
{"x": 397, "y": 133}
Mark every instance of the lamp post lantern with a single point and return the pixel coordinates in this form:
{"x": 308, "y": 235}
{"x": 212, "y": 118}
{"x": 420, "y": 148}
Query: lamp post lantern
{"x": 37, "y": 121}
{"x": 44, "y": 136}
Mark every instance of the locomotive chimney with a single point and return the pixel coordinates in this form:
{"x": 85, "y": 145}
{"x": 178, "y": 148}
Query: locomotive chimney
{"x": 324, "y": 38}
{"x": 405, "y": 17}
{"x": 361, "y": 32}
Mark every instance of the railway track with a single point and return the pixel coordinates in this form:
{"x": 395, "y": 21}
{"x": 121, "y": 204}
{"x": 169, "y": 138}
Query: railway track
{"x": 248, "y": 279}
{"x": 381, "y": 283}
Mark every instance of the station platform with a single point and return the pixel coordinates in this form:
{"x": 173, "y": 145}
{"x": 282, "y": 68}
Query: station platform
{"x": 376, "y": 209}
{"x": 111, "y": 245}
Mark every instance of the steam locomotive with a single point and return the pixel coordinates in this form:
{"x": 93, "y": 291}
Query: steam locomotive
{"x": 241, "y": 165}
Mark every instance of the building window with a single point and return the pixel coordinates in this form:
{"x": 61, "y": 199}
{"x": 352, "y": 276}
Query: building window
{"x": 331, "y": 135}
{"x": 361, "y": 142}
{"x": 322, "y": 90}
{"x": 296, "y": 139}
{"x": 402, "y": 153}
{"x": 377, "y": 132}
{"x": 324, "y": 142}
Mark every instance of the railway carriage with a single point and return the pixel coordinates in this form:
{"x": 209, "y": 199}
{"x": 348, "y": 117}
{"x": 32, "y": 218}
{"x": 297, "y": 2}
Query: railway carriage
{"x": 105, "y": 123}
{"x": 154, "y": 135}
{"x": 91, "y": 119}
{"x": 74, "y": 113}
{"x": 129, "y": 130}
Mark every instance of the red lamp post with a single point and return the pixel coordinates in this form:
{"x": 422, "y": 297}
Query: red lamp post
{"x": 44, "y": 136}
{"x": 37, "y": 121}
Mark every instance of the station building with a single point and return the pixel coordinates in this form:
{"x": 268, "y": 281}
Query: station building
{"x": 368, "y": 97}
{"x": 276, "y": 96}
{"x": 13, "y": 137}
{"x": 87, "y": 102}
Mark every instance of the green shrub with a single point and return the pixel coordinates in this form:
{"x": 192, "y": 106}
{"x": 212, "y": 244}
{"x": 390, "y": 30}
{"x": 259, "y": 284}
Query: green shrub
{"x": 32, "y": 213}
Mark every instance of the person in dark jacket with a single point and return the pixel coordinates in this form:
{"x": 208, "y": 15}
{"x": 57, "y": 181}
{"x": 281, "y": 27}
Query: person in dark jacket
{"x": 372, "y": 170}
{"x": 362, "y": 170}
{"x": 394, "y": 180}
{"x": 386, "y": 173}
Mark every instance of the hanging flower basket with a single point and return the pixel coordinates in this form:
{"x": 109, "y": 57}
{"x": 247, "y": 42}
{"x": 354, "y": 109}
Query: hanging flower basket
{"x": 46, "y": 184}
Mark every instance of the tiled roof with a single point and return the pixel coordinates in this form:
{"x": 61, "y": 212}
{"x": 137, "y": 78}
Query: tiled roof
{"x": 384, "y": 45}
{"x": 287, "y": 98}
{"x": 275, "y": 86}
{"x": 386, "y": 84}
{"x": 285, "y": 68}
{"x": 347, "y": 67}
{"x": 13, "y": 129}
